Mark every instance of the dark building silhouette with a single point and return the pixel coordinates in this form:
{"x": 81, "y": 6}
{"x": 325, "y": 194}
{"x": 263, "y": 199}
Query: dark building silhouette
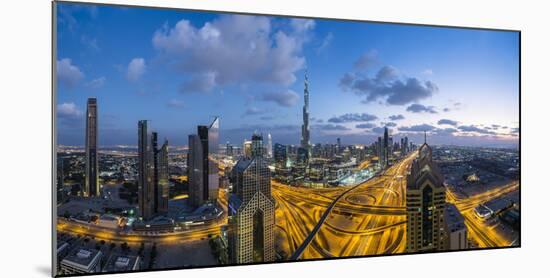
{"x": 202, "y": 170}
{"x": 91, "y": 186}
{"x": 146, "y": 176}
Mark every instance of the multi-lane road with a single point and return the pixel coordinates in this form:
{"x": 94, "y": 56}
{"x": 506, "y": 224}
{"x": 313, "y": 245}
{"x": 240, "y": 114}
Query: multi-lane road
{"x": 366, "y": 219}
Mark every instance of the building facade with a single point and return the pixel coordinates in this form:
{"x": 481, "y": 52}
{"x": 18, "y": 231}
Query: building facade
{"x": 202, "y": 170}
{"x": 251, "y": 208}
{"x": 163, "y": 179}
{"x": 146, "y": 179}
{"x": 305, "y": 140}
{"x": 91, "y": 187}
{"x": 81, "y": 261}
{"x": 425, "y": 204}
{"x": 456, "y": 234}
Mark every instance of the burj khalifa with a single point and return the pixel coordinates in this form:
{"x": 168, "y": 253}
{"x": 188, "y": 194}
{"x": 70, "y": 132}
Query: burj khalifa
{"x": 305, "y": 126}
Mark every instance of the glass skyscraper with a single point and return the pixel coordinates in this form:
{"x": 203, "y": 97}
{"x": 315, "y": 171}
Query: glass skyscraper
{"x": 91, "y": 187}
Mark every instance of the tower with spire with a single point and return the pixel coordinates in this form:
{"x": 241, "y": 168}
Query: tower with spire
{"x": 305, "y": 143}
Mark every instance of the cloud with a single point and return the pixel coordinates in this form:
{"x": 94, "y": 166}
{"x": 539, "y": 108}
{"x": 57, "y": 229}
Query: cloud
{"x": 387, "y": 86}
{"x": 201, "y": 83}
{"x": 302, "y": 25}
{"x": 397, "y": 117}
{"x": 96, "y": 83}
{"x": 89, "y": 42}
{"x": 366, "y": 60}
{"x": 331, "y": 127}
{"x": 286, "y": 99}
{"x": 417, "y": 128}
{"x": 378, "y": 129}
{"x": 327, "y": 40}
{"x": 365, "y": 125}
{"x": 136, "y": 68}
{"x": 68, "y": 114}
{"x": 251, "y": 111}
{"x": 473, "y": 128}
{"x": 235, "y": 49}
{"x": 316, "y": 120}
{"x": 427, "y": 72}
{"x": 445, "y": 131}
{"x": 68, "y": 75}
{"x": 353, "y": 117}
{"x": 390, "y": 124}
{"x": 419, "y": 108}
{"x": 175, "y": 103}
{"x": 455, "y": 106}
{"x": 447, "y": 122}
{"x": 515, "y": 130}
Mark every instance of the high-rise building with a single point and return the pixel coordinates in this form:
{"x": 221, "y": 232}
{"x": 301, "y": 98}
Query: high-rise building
{"x": 338, "y": 145}
{"x": 425, "y": 204}
{"x": 380, "y": 150}
{"x": 257, "y": 149}
{"x": 456, "y": 234}
{"x": 251, "y": 210}
{"x": 81, "y": 261}
{"x": 146, "y": 177}
{"x": 202, "y": 170}
{"x": 385, "y": 147}
{"x": 163, "y": 177}
{"x": 91, "y": 187}
{"x": 305, "y": 142}
{"x": 228, "y": 149}
{"x": 279, "y": 154}
{"x": 247, "y": 148}
{"x": 269, "y": 146}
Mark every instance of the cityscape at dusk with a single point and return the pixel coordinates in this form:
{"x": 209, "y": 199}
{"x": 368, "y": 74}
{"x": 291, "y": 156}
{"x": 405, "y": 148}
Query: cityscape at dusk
{"x": 192, "y": 139}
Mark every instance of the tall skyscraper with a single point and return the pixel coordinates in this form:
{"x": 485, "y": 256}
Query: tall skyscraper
{"x": 146, "y": 184}
{"x": 305, "y": 142}
{"x": 163, "y": 176}
{"x": 247, "y": 148}
{"x": 91, "y": 187}
{"x": 269, "y": 146}
{"x": 425, "y": 204}
{"x": 380, "y": 150}
{"x": 279, "y": 154}
{"x": 385, "y": 148}
{"x": 257, "y": 149}
{"x": 202, "y": 170}
{"x": 251, "y": 210}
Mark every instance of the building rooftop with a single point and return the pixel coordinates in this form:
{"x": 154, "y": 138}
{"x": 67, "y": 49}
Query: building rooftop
{"x": 82, "y": 258}
{"x": 118, "y": 262}
{"x": 453, "y": 218}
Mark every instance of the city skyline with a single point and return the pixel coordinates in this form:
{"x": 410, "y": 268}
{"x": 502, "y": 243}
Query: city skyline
{"x": 305, "y": 139}
{"x": 397, "y": 76}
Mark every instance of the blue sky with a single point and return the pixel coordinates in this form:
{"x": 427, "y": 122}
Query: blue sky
{"x": 179, "y": 69}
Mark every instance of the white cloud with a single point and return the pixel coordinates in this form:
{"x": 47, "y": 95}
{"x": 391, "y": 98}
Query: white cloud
{"x": 287, "y": 98}
{"x": 68, "y": 110}
{"x": 136, "y": 68}
{"x": 233, "y": 49}
{"x": 68, "y": 75}
{"x": 427, "y": 72}
{"x": 325, "y": 43}
{"x": 96, "y": 83}
{"x": 175, "y": 103}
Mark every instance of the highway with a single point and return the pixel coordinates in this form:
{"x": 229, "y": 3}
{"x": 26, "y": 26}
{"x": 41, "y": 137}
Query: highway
{"x": 366, "y": 219}
{"x": 483, "y": 233}
{"x": 342, "y": 220}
